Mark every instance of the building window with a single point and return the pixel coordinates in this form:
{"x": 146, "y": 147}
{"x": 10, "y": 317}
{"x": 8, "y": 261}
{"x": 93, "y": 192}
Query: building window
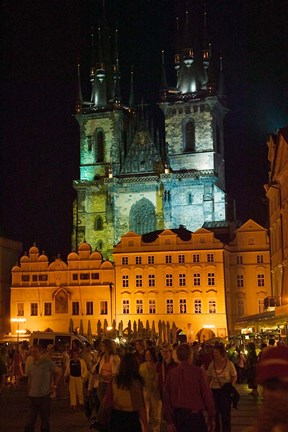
{"x": 190, "y": 136}
{"x": 196, "y": 279}
{"x": 84, "y": 276}
{"x": 98, "y": 223}
{"x": 251, "y": 241}
{"x": 197, "y": 306}
{"x": 99, "y": 146}
{"x": 211, "y": 279}
{"x": 103, "y": 307}
{"x": 260, "y": 280}
{"x": 138, "y": 280}
{"x": 260, "y": 259}
{"x": 43, "y": 278}
{"x": 239, "y": 259}
{"x": 89, "y": 308}
{"x": 260, "y": 305}
{"x": 34, "y": 309}
{"x": 75, "y": 308}
{"x": 168, "y": 259}
{"x": 241, "y": 307}
{"x": 150, "y": 259}
{"x": 212, "y": 306}
{"x": 47, "y": 308}
{"x": 181, "y": 259}
{"x": 182, "y": 279}
{"x": 20, "y": 309}
{"x": 126, "y": 307}
{"x": 169, "y": 306}
{"x": 34, "y": 278}
{"x": 152, "y": 306}
{"x": 74, "y": 276}
{"x": 138, "y": 260}
{"x": 169, "y": 280}
{"x": 196, "y": 258}
{"x": 139, "y": 306}
{"x": 210, "y": 257}
{"x": 240, "y": 281}
{"x": 95, "y": 276}
{"x": 25, "y": 278}
{"x": 125, "y": 281}
{"x": 183, "y": 306}
{"x": 125, "y": 260}
{"x": 190, "y": 198}
{"x": 151, "y": 280}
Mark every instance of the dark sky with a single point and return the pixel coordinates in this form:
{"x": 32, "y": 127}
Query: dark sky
{"x": 41, "y": 41}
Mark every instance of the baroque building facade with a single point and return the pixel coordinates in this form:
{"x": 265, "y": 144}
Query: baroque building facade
{"x": 191, "y": 280}
{"x": 277, "y": 194}
{"x": 143, "y": 169}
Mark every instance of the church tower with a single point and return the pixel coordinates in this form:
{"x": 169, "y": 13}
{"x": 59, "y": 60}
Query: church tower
{"x": 135, "y": 175}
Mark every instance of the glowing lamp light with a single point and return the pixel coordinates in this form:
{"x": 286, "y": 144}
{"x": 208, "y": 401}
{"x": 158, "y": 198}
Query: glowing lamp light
{"x": 109, "y": 328}
{"x": 208, "y": 326}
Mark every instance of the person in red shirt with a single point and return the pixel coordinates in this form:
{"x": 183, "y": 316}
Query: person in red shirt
{"x": 187, "y": 395}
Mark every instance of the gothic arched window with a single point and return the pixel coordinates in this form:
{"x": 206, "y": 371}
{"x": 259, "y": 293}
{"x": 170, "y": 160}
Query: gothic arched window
{"x": 99, "y": 146}
{"x": 142, "y": 217}
{"x": 98, "y": 224}
{"x": 189, "y": 136}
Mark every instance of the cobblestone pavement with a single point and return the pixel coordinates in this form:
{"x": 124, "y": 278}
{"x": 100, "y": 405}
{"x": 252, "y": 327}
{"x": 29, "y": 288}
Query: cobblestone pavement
{"x": 13, "y": 408}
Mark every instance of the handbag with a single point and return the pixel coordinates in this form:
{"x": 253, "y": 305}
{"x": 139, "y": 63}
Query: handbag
{"x": 229, "y": 389}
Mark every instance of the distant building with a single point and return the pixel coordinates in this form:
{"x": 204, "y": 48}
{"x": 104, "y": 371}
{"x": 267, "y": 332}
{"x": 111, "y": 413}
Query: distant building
{"x": 190, "y": 280}
{"x": 248, "y": 277}
{"x": 150, "y": 168}
{"x": 10, "y": 252}
{"x": 277, "y": 194}
{"x": 49, "y": 295}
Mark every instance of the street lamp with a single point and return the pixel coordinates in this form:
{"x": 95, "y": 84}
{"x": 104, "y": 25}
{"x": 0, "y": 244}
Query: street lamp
{"x": 18, "y": 321}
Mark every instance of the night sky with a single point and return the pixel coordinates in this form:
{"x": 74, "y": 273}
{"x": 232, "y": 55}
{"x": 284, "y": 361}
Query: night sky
{"x": 41, "y": 42}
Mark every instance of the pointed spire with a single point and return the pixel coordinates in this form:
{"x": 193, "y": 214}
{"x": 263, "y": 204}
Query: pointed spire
{"x": 221, "y": 83}
{"x": 116, "y": 72}
{"x": 177, "y": 56}
{"x": 188, "y": 55}
{"x": 131, "y": 97}
{"x": 79, "y": 98}
{"x": 205, "y": 46}
{"x": 93, "y": 56}
{"x": 211, "y": 81}
{"x": 100, "y": 65}
{"x": 163, "y": 83}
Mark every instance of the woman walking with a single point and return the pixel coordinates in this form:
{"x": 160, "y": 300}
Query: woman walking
{"x": 153, "y": 403}
{"x": 128, "y": 406}
{"x": 221, "y": 372}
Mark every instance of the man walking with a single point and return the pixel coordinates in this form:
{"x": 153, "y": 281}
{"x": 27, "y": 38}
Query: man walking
{"x": 186, "y": 395}
{"x": 43, "y": 377}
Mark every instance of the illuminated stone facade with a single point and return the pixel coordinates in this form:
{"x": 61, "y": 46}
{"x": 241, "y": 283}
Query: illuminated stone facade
{"x": 49, "y": 295}
{"x": 277, "y": 194}
{"x": 174, "y": 276}
{"x": 149, "y": 168}
{"x": 247, "y": 273}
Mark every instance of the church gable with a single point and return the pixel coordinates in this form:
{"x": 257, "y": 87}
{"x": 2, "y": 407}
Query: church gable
{"x": 142, "y": 156}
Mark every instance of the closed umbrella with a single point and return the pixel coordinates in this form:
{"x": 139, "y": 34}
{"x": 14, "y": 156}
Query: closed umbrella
{"x": 89, "y": 332}
{"x": 174, "y": 333}
{"x": 99, "y": 330}
{"x": 168, "y": 332}
{"x": 81, "y": 329}
{"x": 160, "y": 329}
{"x": 71, "y": 326}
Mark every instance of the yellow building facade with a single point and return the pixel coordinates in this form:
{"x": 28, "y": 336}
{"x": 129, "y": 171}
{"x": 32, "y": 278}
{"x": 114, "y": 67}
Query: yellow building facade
{"x": 248, "y": 275}
{"x": 50, "y": 295}
{"x": 189, "y": 281}
{"x": 277, "y": 194}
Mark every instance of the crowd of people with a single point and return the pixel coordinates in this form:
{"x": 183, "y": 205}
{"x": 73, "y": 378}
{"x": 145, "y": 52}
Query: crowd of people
{"x": 144, "y": 387}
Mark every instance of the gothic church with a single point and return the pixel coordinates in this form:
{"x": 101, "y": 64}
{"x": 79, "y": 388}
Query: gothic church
{"x": 136, "y": 175}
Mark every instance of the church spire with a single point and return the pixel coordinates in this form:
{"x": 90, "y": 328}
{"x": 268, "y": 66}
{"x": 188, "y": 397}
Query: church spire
{"x": 93, "y": 56}
{"x": 221, "y": 84}
{"x": 116, "y": 72}
{"x": 188, "y": 56}
{"x": 163, "y": 82}
{"x": 79, "y": 98}
{"x": 131, "y": 97}
{"x": 205, "y": 45}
